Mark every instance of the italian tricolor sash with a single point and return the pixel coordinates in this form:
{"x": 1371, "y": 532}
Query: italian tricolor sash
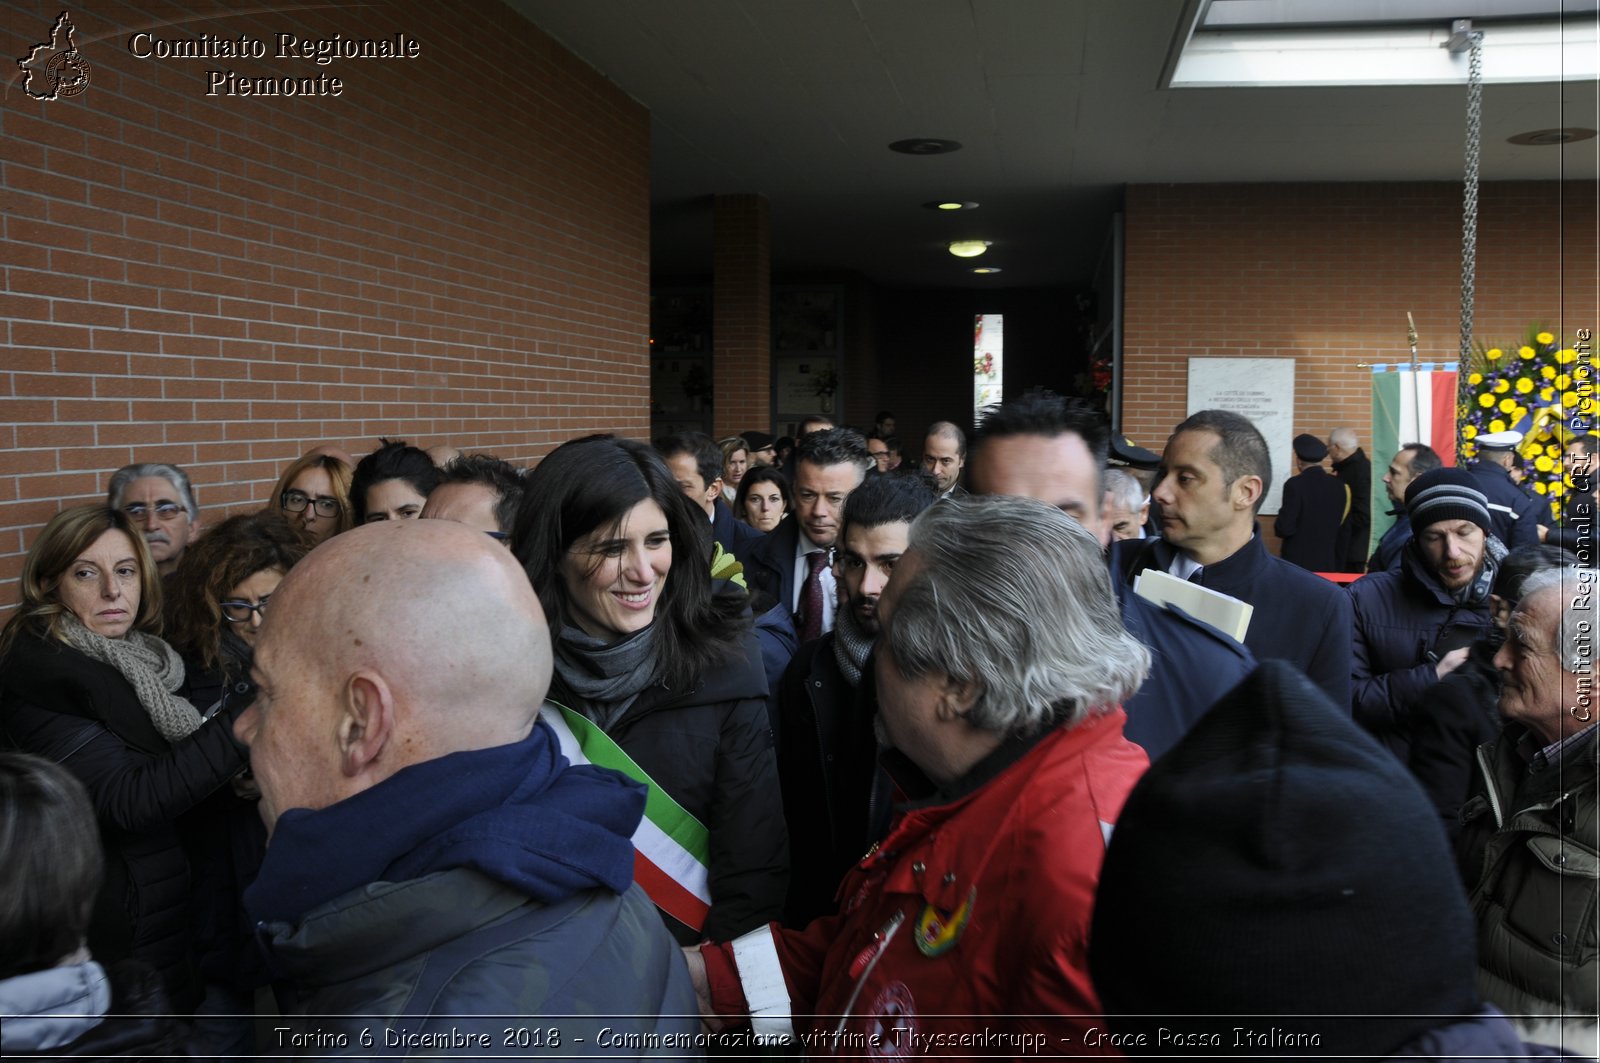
{"x": 670, "y": 847}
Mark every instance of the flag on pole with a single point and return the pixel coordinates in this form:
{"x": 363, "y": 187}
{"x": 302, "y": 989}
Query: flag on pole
{"x": 1409, "y": 406}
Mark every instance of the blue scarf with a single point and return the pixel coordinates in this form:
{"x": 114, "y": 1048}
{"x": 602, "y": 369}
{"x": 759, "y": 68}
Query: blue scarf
{"x": 520, "y": 814}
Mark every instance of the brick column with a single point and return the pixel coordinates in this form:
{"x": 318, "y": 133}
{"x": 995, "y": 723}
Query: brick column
{"x": 742, "y": 316}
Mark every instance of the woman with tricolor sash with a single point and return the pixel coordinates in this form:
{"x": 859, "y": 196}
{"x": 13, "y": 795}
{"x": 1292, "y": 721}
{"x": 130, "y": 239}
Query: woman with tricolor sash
{"x": 658, "y": 675}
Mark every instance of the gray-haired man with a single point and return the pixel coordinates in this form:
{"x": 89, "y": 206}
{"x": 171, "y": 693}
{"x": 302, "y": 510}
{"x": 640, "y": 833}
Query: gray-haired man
{"x": 161, "y": 502}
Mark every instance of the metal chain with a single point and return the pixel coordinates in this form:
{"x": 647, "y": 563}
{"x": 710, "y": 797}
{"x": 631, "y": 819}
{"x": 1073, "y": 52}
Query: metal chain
{"x": 1469, "y": 230}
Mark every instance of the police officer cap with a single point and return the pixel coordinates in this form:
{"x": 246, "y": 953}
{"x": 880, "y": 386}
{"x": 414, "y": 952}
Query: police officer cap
{"x": 1125, "y": 451}
{"x": 1499, "y": 440}
{"x": 1309, "y": 448}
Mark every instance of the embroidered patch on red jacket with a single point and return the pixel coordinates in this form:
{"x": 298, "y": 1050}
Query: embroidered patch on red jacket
{"x": 938, "y": 931}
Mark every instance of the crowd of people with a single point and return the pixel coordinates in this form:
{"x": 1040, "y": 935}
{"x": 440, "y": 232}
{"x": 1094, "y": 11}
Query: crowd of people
{"x": 678, "y": 747}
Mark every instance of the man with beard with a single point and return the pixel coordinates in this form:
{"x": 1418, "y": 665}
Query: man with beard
{"x": 826, "y": 753}
{"x": 1414, "y": 625}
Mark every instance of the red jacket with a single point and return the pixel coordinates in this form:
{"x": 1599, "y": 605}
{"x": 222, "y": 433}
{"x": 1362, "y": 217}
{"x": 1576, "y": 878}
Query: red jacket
{"x": 966, "y": 931}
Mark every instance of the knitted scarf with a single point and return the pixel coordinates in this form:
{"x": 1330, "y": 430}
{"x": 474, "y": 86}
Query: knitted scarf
{"x": 150, "y": 666}
{"x": 1477, "y": 592}
{"x": 607, "y": 678}
{"x": 851, "y": 645}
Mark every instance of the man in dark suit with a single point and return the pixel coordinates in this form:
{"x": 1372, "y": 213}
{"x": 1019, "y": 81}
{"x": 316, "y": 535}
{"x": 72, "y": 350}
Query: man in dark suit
{"x": 696, "y": 463}
{"x": 794, "y": 562}
{"x": 1352, "y": 466}
{"x": 1315, "y": 505}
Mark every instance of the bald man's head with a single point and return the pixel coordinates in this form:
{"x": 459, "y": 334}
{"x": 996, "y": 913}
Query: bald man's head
{"x": 398, "y": 643}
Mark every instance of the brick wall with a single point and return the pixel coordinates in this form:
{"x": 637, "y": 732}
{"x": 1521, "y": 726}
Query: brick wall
{"x": 454, "y": 249}
{"x": 742, "y": 315}
{"x": 1325, "y": 273}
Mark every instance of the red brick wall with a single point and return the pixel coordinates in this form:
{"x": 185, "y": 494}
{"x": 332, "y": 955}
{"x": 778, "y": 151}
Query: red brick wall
{"x": 742, "y": 316}
{"x": 1325, "y": 273}
{"x": 454, "y": 249}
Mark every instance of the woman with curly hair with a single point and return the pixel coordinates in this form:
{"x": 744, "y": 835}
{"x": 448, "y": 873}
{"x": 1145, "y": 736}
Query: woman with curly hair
{"x": 219, "y": 596}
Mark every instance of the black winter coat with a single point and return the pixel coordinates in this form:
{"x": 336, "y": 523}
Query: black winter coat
{"x": 1311, "y": 520}
{"x": 1449, "y": 722}
{"x": 828, "y": 761}
{"x": 710, "y": 749}
{"x": 1404, "y": 622}
{"x": 1356, "y": 473}
{"x": 62, "y": 705}
{"x": 1299, "y": 617}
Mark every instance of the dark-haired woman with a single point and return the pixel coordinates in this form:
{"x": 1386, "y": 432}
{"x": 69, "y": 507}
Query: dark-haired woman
{"x": 220, "y": 595}
{"x": 666, "y": 666}
{"x": 763, "y": 498}
{"x": 84, "y": 683}
{"x": 392, "y": 482}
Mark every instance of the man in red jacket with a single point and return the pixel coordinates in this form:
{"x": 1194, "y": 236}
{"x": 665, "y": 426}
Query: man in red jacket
{"x": 1000, "y": 666}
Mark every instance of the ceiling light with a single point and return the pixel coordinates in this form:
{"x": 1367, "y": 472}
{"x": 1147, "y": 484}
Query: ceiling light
{"x": 1540, "y": 138}
{"x": 968, "y": 248}
{"x": 925, "y": 146}
{"x": 985, "y": 269}
{"x": 951, "y": 204}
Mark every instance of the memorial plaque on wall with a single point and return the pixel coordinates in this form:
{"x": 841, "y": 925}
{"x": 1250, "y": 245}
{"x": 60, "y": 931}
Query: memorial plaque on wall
{"x": 1261, "y": 389}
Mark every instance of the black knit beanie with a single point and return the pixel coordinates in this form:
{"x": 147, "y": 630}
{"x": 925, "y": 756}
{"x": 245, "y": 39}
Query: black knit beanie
{"x": 1278, "y": 876}
{"x": 1446, "y": 494}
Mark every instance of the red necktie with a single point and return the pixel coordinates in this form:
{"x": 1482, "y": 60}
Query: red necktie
{"x": 811, "y": 597}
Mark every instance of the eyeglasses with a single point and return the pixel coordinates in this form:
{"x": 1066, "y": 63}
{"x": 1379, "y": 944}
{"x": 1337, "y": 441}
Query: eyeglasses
{"x": 498, "y": 536}
{"x": 297, "y": 501}
{"x": 164, "y": 510}
{"x": 236, "y": 611}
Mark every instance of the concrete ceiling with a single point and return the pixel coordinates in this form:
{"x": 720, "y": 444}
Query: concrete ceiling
{"x": 1057, "y": 104}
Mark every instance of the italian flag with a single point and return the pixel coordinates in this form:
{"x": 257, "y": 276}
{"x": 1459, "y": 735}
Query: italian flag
{"x": 671, "y": 848}
{"x": 1409, "y": 406}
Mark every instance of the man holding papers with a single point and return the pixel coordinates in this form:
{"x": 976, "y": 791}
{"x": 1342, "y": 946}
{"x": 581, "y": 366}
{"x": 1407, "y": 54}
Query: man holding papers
{"x": 1216, "y": 472}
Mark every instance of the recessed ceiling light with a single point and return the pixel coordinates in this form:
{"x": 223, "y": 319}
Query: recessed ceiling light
{"x": 968, "y": 248}
{"x": 1542, "y": 138}
{"x": 951, "y": 204}
{"x": 986, "y": 269}
{"x": 925, "y": 146}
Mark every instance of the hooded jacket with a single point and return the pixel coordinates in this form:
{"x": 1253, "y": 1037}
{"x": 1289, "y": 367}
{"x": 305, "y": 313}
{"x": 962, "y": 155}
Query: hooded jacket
{"x": 468, "y": 896}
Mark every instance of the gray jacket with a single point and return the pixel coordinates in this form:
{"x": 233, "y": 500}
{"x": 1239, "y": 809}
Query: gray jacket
{"x": 456, "y": 964}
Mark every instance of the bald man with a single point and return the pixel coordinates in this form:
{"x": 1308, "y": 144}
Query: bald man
{"x": 433, "y": 861}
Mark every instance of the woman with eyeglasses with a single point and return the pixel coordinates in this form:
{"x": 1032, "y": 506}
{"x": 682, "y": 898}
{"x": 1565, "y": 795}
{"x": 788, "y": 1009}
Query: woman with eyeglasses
{"x": 659, "y": 663}
{"x": 315, "y": 491}
{"x": 86, "y": 683}
{"x": 219, "y": 598}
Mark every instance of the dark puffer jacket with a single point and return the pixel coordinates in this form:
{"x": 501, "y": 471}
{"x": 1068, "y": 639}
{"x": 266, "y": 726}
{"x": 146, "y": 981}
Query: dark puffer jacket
{"x": 1404, "y": 622}
{"x": 710, "y": 749}
{"x": 82, "y": 714}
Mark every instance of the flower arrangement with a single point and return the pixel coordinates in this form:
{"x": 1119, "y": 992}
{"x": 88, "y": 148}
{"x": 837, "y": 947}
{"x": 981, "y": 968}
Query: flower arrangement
{"x": 1536, "y": 387}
